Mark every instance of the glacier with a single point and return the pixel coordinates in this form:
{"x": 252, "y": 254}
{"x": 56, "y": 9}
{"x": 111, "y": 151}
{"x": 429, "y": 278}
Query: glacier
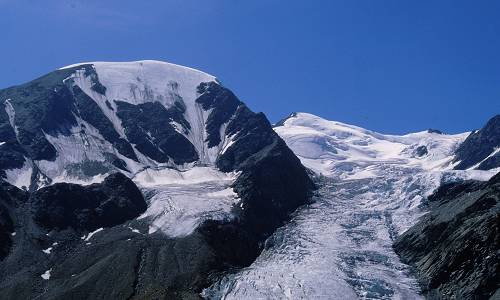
{"x": 372, "y": 187}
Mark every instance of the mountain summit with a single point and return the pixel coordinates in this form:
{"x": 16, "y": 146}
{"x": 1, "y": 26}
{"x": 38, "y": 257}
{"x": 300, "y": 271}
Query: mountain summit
{"x": 83, "y": 121}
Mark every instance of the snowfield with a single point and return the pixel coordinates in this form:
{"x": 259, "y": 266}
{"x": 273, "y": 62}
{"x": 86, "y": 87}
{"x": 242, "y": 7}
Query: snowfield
{"x": 345, "y": 151}
{"x": 371, "y": 187}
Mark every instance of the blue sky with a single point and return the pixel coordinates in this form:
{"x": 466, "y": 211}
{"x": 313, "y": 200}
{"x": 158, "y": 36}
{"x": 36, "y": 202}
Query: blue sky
{"x": 390, "y": 66}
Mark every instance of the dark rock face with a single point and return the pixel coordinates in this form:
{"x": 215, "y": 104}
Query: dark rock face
{"x": 456, "y": 247}
{"x": 490, "y": 163}
{"x": 146, "y": 125}
{"x": 49, "y": 224}
{"x": 43, "y": 105}
{"x": 478, "y": 146}
{"x": 421, "y": 151}
{"x": 436, "y": 131}
{"x": 6, "y": 228}
{"x": 10, "y": 197}
{"x": 64, "y": 205}
{"x": 223, "y": 104}
{"x": 253, "y": 133}
{"x": 272, "y": 185}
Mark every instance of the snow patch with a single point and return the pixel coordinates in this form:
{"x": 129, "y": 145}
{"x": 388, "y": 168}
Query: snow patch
{"x": 91, "y": 234}
{"x": 134, "y": 230}
{"x": 46, "y": 275}
{"x": 154, "y": 177}
{"x": 20, "y": 177}
{"x": 9, "y": 109}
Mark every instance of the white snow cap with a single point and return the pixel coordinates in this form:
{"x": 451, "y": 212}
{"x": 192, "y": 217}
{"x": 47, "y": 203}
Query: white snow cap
{"x": 138, "y": 63}
{"x": 143, "y": 81}
{"x": 115, "y": 74}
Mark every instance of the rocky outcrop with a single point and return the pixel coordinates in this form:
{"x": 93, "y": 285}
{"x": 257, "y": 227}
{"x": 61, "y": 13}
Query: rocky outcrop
{"x": 146, "y": 126}
{"x": 87, "y": 208}
{"x": 455, "y": 248}
{"x": 478, "y": 149}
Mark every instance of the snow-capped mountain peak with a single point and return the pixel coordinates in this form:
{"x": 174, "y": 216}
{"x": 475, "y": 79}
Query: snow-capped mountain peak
{"x": 148, "y": 81}
{"x": 176, "y": 131}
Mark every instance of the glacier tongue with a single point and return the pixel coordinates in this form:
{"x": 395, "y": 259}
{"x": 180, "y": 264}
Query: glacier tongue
{"x": 337, "y": 248}
{"x": 371, "y": 187}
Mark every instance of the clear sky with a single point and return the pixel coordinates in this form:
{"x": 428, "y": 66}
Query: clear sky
{"x": 391, "y": 66}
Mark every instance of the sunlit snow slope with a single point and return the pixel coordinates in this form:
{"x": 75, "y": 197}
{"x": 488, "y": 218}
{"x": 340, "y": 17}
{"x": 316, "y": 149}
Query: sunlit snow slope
{"x": 371, "y": 189}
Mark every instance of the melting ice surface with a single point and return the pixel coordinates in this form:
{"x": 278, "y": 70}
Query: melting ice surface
{"x": 370, "y": 190}
{"x": 180, "y": 200}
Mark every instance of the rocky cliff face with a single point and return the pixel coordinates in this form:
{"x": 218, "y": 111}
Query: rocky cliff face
{"x": 481, "y": 148}
{"x": 455, "y": 248}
